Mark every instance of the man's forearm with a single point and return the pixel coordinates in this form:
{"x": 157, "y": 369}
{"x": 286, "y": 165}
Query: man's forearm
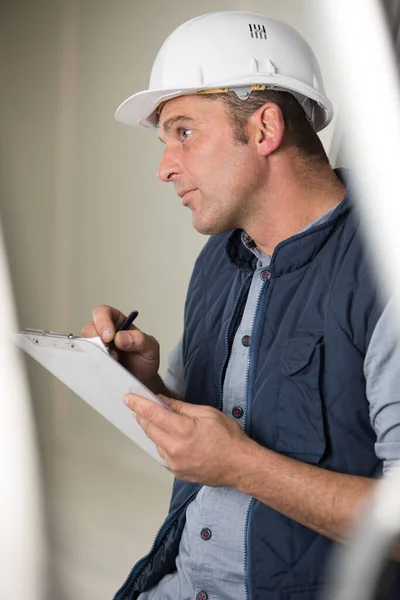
{"x": 322, "y": 500}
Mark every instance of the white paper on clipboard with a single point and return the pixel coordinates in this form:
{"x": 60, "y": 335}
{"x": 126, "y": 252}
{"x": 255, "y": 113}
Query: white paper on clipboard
{"x": 85, "y": 366}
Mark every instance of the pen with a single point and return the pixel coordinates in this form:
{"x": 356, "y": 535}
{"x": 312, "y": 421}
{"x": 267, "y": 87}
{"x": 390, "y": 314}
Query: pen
{"x": 124, "y": 325}
{"x": 128, "y": 321}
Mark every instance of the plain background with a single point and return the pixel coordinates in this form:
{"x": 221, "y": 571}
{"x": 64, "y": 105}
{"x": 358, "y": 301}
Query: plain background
{"x": 87, "y": 222}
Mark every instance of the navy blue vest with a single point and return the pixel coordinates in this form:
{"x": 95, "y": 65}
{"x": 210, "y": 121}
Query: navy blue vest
{"x": 305, "y": 390}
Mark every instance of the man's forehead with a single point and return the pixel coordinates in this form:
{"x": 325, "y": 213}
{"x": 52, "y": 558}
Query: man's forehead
{"x": 191, "y": 107}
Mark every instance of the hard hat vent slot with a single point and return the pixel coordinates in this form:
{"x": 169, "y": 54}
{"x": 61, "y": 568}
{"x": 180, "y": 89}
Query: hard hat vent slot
{"x": 258, "y": 32}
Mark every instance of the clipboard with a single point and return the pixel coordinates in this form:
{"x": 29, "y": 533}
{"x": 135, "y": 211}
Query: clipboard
{"x": 85, "y": 366}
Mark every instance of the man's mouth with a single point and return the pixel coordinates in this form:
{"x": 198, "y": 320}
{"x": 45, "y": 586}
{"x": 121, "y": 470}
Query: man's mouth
{"x": 184, "y": 194}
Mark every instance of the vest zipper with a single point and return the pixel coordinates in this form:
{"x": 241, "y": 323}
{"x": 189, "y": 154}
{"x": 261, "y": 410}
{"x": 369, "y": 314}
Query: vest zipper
{"x": 250, "y": 361}
{"x": 123, "y": 594}
{"x": 227, "y": 335}
{"x": 247, "y": 422}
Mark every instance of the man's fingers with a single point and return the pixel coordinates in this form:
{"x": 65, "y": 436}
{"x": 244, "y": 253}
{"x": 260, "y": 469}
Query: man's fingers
{"x": 89, "y": 330}
{"x": 134, "y": 340}
{"x": 163, "y": 456}
{"x": 106, "y": 320}
{"x": 177, "y": 406}
{"x": 159, "y": 436}
{"x": 187, "y": 409}
{"x": 152, "y": 412}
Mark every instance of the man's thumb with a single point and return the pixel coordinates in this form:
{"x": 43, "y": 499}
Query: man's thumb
{"x": 177, "y": 406}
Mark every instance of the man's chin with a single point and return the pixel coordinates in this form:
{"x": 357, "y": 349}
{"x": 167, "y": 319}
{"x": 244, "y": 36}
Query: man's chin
{"x": 214, "y": 228}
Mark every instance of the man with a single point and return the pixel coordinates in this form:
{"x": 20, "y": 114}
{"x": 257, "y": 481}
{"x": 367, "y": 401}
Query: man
{"x": 284, "y": 368}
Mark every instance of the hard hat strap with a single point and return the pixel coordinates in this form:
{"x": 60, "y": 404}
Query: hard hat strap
{"x": 242, "y": 92}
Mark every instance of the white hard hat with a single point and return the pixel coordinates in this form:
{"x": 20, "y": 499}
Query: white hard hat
{"x": 231, "y": 50}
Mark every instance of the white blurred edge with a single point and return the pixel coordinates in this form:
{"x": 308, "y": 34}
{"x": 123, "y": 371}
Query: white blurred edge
{"x": 23, "y": 557}
{"x": 356, "y": 569}
{"x": 364, "y": 66}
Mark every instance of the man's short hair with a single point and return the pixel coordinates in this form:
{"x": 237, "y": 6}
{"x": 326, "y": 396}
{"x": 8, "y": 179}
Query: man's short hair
{"x": 298, "y": 130}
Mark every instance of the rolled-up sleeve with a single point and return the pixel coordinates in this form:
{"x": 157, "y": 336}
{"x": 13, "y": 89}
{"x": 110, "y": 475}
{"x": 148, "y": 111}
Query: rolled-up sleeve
{"x": 174, "y": 377}
{"x": 382, "y": 374}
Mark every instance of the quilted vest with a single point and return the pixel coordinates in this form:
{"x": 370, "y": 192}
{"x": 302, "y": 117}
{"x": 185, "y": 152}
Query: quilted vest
{"x": 305, "y": 386}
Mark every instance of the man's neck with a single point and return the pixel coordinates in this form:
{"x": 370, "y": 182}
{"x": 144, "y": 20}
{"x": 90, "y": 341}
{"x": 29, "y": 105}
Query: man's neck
{"x": 293, "y": 201}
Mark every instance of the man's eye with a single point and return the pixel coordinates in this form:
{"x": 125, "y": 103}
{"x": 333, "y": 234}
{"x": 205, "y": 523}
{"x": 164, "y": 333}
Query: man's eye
{"x": 184, "y": 133}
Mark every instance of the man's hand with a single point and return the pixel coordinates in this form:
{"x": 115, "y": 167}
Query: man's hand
{"x": 138, "y": 352}
{"x": 198, "y": 443}
{"x": 201, "y": 444}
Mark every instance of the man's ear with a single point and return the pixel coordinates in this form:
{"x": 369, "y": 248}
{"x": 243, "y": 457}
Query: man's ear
{"x": 269, "y": 128}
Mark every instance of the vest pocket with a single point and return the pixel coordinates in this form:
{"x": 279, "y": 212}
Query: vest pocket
{"x": 300, "y": 425}
{"x": 304, "y": 592}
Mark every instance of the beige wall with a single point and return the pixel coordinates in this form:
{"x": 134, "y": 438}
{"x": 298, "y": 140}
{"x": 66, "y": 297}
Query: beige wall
{"x": 86, "y": 221}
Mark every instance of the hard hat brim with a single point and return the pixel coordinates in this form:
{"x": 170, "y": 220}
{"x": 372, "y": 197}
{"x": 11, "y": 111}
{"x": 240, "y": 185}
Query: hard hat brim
{"x": 140, "y": 108}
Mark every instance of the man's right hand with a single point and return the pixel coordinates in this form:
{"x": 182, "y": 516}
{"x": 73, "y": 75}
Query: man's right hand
{"x": 138, "y": 352}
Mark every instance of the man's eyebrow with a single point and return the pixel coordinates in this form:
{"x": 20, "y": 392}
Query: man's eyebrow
{"x": 167, "y": 125}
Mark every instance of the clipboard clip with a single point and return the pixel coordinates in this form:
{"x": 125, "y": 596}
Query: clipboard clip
{"x": 47, "y": 339}
{"x": 70, "y": 336}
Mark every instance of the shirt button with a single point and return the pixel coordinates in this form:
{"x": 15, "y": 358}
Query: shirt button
{"x": 265, "y": 275}
{"x": 246, "y": 340}
{"x": 205, "y": 534}
{"x": 202, "y": 596}
{"x": 237, "y": 412}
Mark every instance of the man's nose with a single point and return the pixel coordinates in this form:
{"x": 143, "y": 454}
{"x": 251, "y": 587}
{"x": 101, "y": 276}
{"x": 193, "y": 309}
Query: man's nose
{"x": 169, "y": 166}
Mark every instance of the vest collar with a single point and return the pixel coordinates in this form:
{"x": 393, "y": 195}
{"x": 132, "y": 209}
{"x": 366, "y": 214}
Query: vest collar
{"x": 298, "y": 250}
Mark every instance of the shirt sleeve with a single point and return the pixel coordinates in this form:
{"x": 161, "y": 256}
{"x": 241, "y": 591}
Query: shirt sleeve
{"x": 382, "y": 374}
{"x": 174, "y": 377}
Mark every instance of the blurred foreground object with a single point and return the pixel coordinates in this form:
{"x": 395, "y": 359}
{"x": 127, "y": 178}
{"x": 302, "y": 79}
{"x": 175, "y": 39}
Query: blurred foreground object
{"x": 364, "y": 42}
{"x": 359, "y": 569}
{"x": 22, "y": 546}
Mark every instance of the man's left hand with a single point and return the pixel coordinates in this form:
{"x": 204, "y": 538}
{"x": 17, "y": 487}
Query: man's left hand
{"x": 198, "y": 443}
